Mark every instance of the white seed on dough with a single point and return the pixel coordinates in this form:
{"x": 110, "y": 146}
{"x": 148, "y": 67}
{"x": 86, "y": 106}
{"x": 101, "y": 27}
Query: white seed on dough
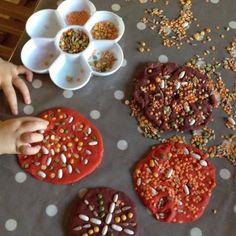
{"x": 69, "y": 169}
{"x": 153, "y": 192}
{"x": 139, "y": 181}
{"x": 95, "y": 221}
{"x": 71, "y": 120}
{"x": 78, "y": 228}
{"x": 112, "y": 207}
{"x": 93, "y": 143}
{"x": 88, "y": 152}
{"x": 162, "y": 84}
{"x": 63, "y": 158}
{"x": 181, "y": 75}
{"x": 186, "y": 151}
{"x": 49, "y": 161}
{"x": 186, "y": 190}
{"x": 203, "y": 163}
{"x": 115, "y": 198}
{"x": 42, "y": 174}
{"x": 117, "y": 228}
{"x": 64, "y": 148}
{"x": 84, "y": 217}
{"x": 129, "y": 231}
{"x": 104, "y": 230}
{"x": 45, "y": 150}
{"x": 89, "y": 131}
{"x": 108, "y": 218}
{"x": 87, "y": 226}
{"x": 192, "y": 122}
{"x": 196, "y": 156}
{"x": 177, "y": 86}
{"x": 169, "y": 173}
{"x": 60, "y": 174}
{"x": 52, "y": 152}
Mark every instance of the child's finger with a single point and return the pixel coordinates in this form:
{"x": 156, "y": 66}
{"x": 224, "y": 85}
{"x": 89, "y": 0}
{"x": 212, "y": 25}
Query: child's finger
{"x": 11, "y": 97}
{"x": 28, "y": 74}
{"x": 20, "y": 84}
{"x": 33, "y": 119}
{"x": 33, "y": 126}
{"x": 31, "y": 138}
{"x": 28, "y": 150}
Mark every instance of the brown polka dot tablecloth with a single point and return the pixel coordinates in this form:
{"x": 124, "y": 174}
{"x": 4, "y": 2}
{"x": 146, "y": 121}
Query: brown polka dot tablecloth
{"x": 29, "y": 207}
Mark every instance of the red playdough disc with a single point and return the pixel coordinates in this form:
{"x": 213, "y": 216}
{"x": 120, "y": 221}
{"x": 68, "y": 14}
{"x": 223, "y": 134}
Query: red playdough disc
{"x": 72, "y": 148}
{"x": 104, "y": 212}
{"x": 175, "y": 181}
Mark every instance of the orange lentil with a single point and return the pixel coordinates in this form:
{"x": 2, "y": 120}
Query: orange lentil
{"x": 77, "y": 18}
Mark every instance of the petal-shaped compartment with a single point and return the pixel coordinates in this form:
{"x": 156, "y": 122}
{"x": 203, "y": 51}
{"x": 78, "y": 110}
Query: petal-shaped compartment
{"x": 38, "y": 54}
{"x": 106, "y": 17}
{"x": 70, "y": 73}
{"x": 104, "y": 57}
{"x": 68, "y": 39}
{"x": 73, "y": 12}
{"x": 44, "y": 23}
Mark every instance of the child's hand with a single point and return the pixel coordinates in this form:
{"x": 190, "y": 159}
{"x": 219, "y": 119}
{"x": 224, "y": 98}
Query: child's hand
{"x": 17, "y": 135}
{"x": 9, "y": 77}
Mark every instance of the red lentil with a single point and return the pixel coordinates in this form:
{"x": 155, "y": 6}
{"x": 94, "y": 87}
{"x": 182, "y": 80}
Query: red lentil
{"x": 77, "y": 18}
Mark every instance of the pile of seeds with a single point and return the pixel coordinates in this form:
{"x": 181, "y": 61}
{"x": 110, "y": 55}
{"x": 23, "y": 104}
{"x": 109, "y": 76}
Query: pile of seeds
{"x": 105, "y": 30}
{"x": 173, "y": 31}
{"x": 102, "y": 62}
{"x": 77, "y": 18}
{"x": 74, "y": 41}
{"x": 169, "y": 97}
{"x": 230, "y": 62}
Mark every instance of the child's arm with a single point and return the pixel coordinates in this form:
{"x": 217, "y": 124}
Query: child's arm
{"x": 17, "y": 135}
{"x": 9, "y": 77}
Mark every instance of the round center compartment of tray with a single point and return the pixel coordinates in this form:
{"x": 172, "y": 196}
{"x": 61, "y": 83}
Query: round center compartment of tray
{"x": 73, "y": 40}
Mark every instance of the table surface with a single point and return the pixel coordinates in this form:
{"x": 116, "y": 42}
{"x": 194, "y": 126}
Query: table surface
{"x": 25, "y": 200}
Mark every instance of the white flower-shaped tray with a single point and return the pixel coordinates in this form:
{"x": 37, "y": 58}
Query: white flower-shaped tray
{"x": 42, "y": 53}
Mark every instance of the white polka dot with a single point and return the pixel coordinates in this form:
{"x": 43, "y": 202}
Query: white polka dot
{"x": 115, "y": 7}
{"x": 82, "y": 192}
{"x": 11, "y": 225}
{"x": 195, "y": 232}
{"x": 215, "y": 1}
{"x": 95, "y": 114}
{"x": 124, "y": 63}
{"x": 163, "y": 59}
{"x": 28, "y": 109}
{"x": 232, "y": 24}
{"x": 51, "y": 210}
{"x": 119, "y": 95}
{"x": 122, "y": 145}
{"x": 68, "y": 94}
{"x": 225, "y": 174}
{"x": 37, "y": 84}
{"x": 20, "y": 177}
{"x": 235, "y": 209}
{"x": 141, "y": 26}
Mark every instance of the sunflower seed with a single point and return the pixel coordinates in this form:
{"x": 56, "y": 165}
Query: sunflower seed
{"x": 84, "y": 217}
